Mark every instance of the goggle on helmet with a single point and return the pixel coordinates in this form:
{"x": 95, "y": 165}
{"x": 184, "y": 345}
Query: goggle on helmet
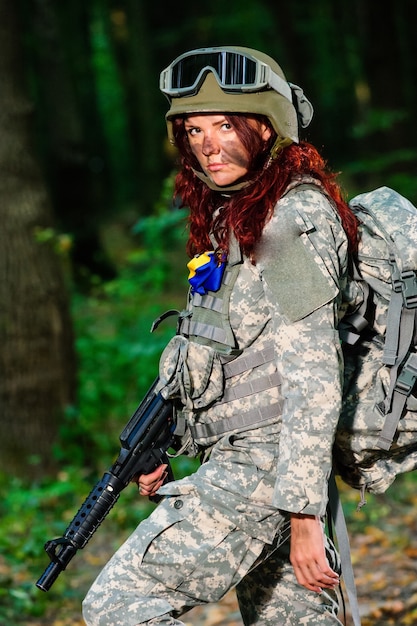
{"x": 235, "y": 80}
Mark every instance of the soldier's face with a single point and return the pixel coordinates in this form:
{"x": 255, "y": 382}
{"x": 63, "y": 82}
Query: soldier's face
{"x": 218, "y": 149}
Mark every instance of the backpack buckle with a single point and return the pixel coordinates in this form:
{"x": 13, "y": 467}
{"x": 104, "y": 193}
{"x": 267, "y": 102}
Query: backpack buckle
{"x": 406, "y": 283}
{"x": 409, "y": 289}
{"x": 407, "y": 379}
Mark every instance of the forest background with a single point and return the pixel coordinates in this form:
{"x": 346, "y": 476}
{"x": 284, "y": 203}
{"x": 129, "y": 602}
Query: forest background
{"x": 91, "y": 246}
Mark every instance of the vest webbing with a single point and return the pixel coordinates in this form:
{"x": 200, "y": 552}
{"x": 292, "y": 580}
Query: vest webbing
{"x": 208, "y": 320}
{"x": 247, "y": 361}
{"x": 254, "y": 416}
{"x": 249, "y": 388}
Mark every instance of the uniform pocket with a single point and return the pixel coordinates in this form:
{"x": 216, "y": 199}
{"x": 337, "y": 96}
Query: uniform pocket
{"x": 180, "y": 538}
{"x": 191, "y": 372}
{"x": 203, "y": 375}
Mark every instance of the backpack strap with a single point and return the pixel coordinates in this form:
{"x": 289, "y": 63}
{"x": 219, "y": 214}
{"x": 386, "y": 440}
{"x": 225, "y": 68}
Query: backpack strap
{"x": 402, "y": 386}
{"x": 351, "y": 325}
{"x": 337, "y": 519}
{"x": 400, "y": 325}
{"x": 399, "y": 340}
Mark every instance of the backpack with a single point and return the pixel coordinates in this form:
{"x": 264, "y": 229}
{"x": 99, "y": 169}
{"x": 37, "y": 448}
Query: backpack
{"x": 376, "y": 438}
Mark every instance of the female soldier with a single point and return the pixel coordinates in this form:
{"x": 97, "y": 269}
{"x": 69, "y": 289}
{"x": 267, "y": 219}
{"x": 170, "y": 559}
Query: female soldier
{"x": 255, "y": 368}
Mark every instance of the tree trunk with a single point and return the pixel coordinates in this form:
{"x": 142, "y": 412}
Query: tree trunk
{"x": 37, "y": 365}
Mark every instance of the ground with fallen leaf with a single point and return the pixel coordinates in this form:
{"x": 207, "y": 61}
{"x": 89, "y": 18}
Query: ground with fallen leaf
{"x": 384, "y": 556}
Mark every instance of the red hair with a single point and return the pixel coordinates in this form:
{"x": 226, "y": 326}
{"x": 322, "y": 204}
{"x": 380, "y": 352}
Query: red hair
{"x": 247, "y": 211}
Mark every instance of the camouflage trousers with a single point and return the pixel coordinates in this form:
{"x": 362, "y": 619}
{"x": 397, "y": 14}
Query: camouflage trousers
{"x": 212, "y": 532}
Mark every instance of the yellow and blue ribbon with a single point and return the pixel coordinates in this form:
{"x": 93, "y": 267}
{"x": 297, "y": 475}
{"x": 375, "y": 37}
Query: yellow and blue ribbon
{"x": 206, "y": 272}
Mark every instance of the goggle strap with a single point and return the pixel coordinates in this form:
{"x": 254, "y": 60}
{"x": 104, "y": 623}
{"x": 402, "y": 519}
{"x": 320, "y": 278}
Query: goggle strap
{"x": 279, "y": 85}
{"x": 303, "y": 106}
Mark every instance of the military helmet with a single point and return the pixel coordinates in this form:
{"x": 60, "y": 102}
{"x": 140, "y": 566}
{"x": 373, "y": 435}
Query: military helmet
{"x": 232, "y": 79}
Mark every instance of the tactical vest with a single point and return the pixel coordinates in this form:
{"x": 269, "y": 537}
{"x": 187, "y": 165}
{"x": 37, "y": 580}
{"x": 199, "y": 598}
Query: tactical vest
{"x": 204, "y": 356}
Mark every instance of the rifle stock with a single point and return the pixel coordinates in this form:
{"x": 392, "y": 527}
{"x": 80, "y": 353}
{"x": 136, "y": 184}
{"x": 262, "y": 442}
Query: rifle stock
{"x": 144, "y": 444}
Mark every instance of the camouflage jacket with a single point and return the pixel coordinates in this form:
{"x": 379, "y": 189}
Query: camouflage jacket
{"x": 262, "y": 356}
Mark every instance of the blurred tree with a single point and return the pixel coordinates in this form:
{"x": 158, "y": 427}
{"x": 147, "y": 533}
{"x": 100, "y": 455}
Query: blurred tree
{"x": 132, "y": 36}
{"x": 58, "y": 60}
{"x": 316, "y": 38}
{"x": 385, "y": 132}
{"x": 37, "y": 365}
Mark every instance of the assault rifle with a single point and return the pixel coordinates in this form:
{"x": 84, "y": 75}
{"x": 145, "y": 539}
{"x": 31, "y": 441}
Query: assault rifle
{"x": 144, "y": 444}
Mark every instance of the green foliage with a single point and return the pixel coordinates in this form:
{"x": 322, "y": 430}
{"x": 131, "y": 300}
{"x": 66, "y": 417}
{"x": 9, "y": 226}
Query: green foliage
{"x": 386, "y": 169}
{"x": 111, "y": 106}
{"x": 377, "y": 506}
{"x": 118, "y": 355}
{"x": 118, "y": 360}
{"x": 30, "y": 513}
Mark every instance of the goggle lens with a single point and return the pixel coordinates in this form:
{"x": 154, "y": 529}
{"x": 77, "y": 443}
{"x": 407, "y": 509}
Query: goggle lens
{"x": 232, "y": 69}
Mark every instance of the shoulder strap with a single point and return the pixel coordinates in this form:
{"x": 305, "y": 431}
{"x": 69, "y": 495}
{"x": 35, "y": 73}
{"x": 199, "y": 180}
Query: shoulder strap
{"x": 337, "y": 518}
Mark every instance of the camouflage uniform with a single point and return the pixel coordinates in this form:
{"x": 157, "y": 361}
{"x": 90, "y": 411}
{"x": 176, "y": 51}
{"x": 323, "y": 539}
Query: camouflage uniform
{"x": 227, "y": 525}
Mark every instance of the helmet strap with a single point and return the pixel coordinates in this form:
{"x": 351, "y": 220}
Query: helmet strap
{"x": 280, "y": 144}
{"x": 211, "y": 185}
